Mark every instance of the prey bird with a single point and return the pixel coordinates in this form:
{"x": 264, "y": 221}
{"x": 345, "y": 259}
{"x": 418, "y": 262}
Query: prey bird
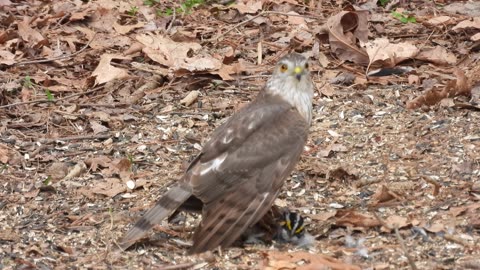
{"x": 241, "y": 169}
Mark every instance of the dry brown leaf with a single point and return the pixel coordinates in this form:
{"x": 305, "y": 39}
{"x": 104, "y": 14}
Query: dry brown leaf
{"x": 382, "y": 194}
{"x": 323, "y": 60}
{"x": 58, "y": 170}
{"x": 356, "y": 219}
{"x": 281, "y": 260}
{"x": 296, "y": 19}
{"x": 447, "y": 102}
{"x": 29, "y": 34}
{"x": 9, "y": 155}
{"x": 5, "y": 3}
{"x": 343, "y": 30}
{"x": 110, "y": 188}
{"x": 436, "y": 227}
{"x": 79, "y": 168}
{"x": 340, "y": 174}
{"x": 177, "y": 55}
{"x": 7, "y": 58}
{"x": 395, "y": 222}
{"x": 459, "y": 87}
{"x": 323, "y": 216}
{"x": 32, "y": 193}
{"x": 440, "y": 21}
{"x": 97, "y": 127}
{"x": 122, "y": 167}
{"x": 95, "y": 162}
{"x": 413, "y": 79}
{"x": 344, "y": 78}
{"x": 459, "y": 210}
{"x": 475, "y": 186}
{"x": 105, "y": 72}
{"x": 251, "y": 6}
{"x": 224, "y": 72}
{"x": 438, "y": 55}
{"x": 9, "y": 235}
{"x": 124, "y": 29}
{"x": 430, "y": 98}
{"x": 327, "y": 90}
{"x": 81, "y": 15}
{"x": 382, "y": 53}
{"x": 473, "y": 23}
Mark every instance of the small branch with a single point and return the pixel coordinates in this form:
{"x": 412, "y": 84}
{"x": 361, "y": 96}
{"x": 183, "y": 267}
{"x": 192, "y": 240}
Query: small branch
{"x": 404, "y": 248}
{"x": 56, "y": 58}
{"x": 400, "y": 240}
{"x": 51, "y": 101}
{"x": 171, "y": 22}
{"x": 75, "y": 138}
{"x": 456, "y": 240}
{"x": 256, "y": 16}
{"x": 236, "y": 26}
{"x": 436, "y": 185}
{"x": 177, "y": 266}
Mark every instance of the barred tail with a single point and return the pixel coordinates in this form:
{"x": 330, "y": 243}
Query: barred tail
{"x": 164, "y": 207}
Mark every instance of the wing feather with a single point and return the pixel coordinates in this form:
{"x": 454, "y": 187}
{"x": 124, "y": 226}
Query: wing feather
{"x": 241, "y": 189}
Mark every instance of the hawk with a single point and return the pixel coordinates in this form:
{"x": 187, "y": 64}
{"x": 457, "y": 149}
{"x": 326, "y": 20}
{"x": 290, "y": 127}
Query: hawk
{"x": 241, "y": 169}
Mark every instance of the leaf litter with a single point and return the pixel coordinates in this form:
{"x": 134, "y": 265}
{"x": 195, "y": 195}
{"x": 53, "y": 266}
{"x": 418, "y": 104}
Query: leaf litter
{"x": 103, "y": 104}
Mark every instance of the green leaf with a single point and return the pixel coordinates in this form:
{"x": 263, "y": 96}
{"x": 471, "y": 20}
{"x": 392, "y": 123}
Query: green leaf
{"x": 47, "y": 181}
{"x": 404, "y": 18}
{"x": 168, "y": 12}
{"x": 130, "y": 158}
{"x": 4, "y": 168}
{"x": 133, "y": 11}
{"x": 49, "y": 95}
{"x": 396, "y": 15}
{"x": 148, "y": 3}
{"x": 383, "y": 2}
{"x": 27, "y": 82}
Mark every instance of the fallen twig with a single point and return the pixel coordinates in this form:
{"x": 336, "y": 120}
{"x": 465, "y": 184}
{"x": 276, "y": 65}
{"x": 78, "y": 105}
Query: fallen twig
{"x": 256, "y": 16}
{"x": 51, "y": 101}
{"x": 456, "y": 240}
{"x": 58, "y": 57}
{"x": 177, "y": 266}
{"x": 436, "y": 185}
{"x": 411, "y": 262}
{"x": 75, "y": 138}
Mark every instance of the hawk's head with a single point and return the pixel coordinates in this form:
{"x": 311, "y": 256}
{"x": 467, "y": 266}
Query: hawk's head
{"x": 291, "y": 80}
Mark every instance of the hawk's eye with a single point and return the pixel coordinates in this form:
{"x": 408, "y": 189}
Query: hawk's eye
{"x": 306, "y": 65}
{"x": 283, "y": 68}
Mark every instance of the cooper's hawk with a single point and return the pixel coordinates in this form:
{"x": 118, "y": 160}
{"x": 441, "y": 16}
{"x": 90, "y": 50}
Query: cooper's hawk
{"x": 242, "y": 168}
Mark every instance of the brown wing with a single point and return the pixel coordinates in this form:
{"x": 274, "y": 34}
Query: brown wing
{"x": 239, "y": 177}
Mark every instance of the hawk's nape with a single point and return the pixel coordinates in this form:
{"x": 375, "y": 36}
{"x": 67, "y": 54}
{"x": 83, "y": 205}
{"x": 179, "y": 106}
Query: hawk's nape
{"x": 242, "y": 168}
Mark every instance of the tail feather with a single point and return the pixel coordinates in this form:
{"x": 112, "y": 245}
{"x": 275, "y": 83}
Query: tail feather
{"x": 225, "y": 224}
{"x": 164, "y": 207}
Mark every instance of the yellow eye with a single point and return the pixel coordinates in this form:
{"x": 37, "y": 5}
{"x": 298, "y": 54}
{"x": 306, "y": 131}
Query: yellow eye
{"x": 283, "y": 68}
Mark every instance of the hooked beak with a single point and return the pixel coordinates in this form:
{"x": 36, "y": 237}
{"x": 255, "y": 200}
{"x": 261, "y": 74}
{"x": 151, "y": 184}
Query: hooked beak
{"x": 298, "y": 71}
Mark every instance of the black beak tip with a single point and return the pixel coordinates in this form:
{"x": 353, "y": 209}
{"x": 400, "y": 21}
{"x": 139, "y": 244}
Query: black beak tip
{"x": 298, "y": 76}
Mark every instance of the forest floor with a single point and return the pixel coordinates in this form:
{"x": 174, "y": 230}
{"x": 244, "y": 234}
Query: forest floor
{"x": 104, "y": 103}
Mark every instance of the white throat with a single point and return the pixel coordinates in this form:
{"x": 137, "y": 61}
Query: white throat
{"x": 298, "y": 93}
